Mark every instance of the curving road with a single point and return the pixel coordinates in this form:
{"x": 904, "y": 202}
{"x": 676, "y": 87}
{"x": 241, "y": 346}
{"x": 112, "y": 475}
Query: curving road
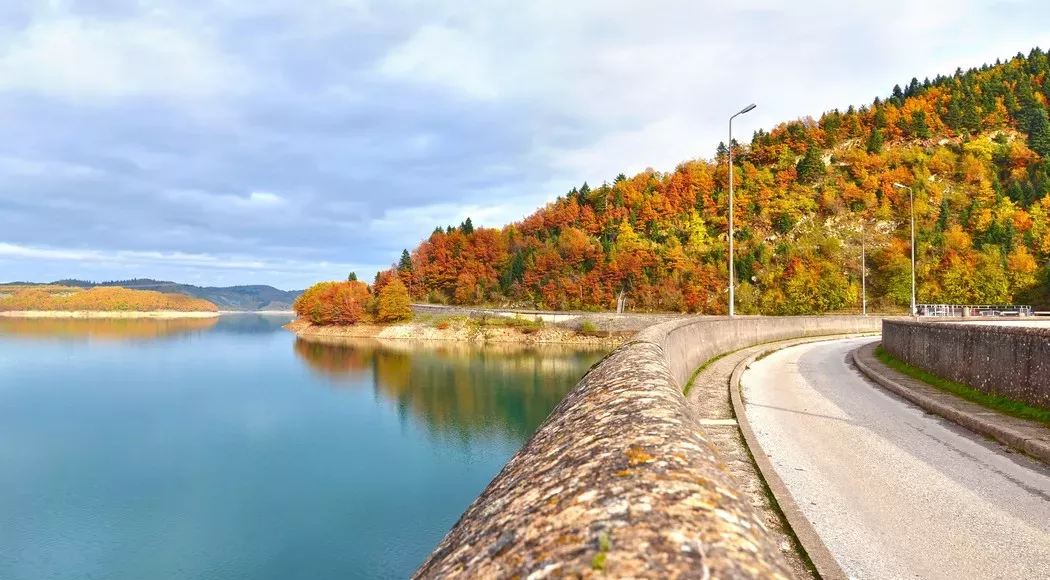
{"x": 892, "y": 491}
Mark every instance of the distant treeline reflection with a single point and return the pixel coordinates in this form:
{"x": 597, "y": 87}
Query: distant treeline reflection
{"x": 110, "y": 329}
{"x": 457, "y": 388}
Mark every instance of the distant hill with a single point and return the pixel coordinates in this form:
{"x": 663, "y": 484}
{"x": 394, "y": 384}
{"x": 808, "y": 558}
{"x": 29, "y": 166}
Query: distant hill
{"x": 243, "y": 298}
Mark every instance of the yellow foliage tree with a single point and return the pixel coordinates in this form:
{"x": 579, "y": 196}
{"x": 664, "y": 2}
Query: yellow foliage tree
{"x": 394, "y": 304}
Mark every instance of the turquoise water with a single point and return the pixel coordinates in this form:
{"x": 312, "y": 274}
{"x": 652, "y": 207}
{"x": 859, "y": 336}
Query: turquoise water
{"x": 227, "y": 449}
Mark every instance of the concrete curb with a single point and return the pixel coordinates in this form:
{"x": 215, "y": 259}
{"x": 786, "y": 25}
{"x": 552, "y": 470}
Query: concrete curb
{"x": 1024, "y": 436}
{"x": 827, "y": 567}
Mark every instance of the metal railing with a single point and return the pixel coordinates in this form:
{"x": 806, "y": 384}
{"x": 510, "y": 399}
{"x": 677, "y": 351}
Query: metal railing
{"x": 972, "y": 310}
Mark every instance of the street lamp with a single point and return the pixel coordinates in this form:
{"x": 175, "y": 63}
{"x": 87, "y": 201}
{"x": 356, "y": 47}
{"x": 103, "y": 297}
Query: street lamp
{"x": 863, "y": 274}
{"x": 911, "y": 193}
{"x": 732, "y": 276}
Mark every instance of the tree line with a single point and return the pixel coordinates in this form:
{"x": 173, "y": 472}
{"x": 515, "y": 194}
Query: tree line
{"x": 351, "y": 302}
{"x": 107, "y": 298}
{"x": 974, "y": 147}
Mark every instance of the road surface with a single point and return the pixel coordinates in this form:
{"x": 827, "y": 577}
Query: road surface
{"x": 893, "y": 491}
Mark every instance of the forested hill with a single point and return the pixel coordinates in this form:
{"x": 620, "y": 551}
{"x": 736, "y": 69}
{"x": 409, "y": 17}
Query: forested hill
{"x": 974, "y": 146}
{"x": 247, "y": 298}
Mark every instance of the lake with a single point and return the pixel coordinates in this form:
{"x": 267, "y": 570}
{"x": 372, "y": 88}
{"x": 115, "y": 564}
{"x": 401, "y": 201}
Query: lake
{"x": 226, "y": 448}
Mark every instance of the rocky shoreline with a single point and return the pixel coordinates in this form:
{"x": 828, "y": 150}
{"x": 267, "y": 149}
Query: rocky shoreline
{"x": 458, "y": 331}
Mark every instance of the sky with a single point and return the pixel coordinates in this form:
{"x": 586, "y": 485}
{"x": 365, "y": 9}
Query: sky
{"x": 287, "y": 142}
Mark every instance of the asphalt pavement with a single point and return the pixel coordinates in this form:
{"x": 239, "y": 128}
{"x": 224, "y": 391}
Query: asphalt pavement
{"x": 892, "y": 491}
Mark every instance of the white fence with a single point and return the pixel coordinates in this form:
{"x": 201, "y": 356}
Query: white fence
{"x": 962, "y": 310}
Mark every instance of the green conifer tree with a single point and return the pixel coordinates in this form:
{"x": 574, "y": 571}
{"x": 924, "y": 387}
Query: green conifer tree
{"x": 875, "y": 142}
{"x": 811, "y": 167}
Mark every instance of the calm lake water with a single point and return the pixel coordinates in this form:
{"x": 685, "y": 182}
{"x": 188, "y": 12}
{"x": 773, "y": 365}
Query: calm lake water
{"x": 227, "y": 449}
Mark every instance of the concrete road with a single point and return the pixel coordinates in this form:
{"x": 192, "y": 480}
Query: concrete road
{"x": 892, "y": 491}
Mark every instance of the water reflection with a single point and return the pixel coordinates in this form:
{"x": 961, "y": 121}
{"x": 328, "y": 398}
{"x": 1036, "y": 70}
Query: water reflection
{"x": 251, "y": 323}
{"x": 140, "y": 329}
{"x": 106, "y": 329}
{"x": 456, "y": 388}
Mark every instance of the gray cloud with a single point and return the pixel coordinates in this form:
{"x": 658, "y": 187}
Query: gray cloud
{"x": 288, "y": 142}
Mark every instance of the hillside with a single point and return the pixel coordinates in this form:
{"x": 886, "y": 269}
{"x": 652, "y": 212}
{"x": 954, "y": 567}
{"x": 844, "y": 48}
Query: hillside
{"x": 974, "y": 146}
{"x": 246, "y": 298}
{"x": 55, "y": 298}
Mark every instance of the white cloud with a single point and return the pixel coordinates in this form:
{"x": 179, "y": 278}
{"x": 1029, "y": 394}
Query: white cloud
{"x": 11, "y": 166}
{"x": 172, "y": 259}
{"x": 256, "y": 201}
{"x": 263, "y": 198}
{"x": 78, "y": 58}
{"x": 442, "y": 56}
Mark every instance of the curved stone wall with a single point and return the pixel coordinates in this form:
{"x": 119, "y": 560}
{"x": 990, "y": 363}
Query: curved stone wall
{"x": 621, "y": 478}
{"x": 1011, "y": 361}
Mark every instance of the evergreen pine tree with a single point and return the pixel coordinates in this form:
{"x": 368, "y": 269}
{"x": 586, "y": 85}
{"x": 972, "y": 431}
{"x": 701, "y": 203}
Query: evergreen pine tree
{"x": 898, "y": 95}
{"x": 352, "y": 277}
{"x": 913, "y": 88}
{"x": 918, "y": 125}
{"x": 406, "y": 261}
{"x": 954, "y": 116}
{"x": 811, "y": 167}
{"x": 875, "y": 142}
{"x": 971, "y": 118}
{"x": 467, "y": 227}
{"x": 880, "y": 118}
{"x": 1039, "y": 133}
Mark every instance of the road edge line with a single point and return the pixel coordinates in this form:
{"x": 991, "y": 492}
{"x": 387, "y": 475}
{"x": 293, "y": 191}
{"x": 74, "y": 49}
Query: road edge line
{"x": 982, "y": 426}
{"x": 827, "y": 566}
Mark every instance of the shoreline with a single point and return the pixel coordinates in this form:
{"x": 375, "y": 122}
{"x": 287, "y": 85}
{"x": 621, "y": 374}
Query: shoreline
{"x": 409, "y": 331}
{"x": 259, "y": 312}
{"x": 105, "y": 314}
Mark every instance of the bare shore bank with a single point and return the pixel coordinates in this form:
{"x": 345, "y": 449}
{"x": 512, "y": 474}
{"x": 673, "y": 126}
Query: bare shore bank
{"x": 456, "y": 331}
{"x": 104, "y": 314}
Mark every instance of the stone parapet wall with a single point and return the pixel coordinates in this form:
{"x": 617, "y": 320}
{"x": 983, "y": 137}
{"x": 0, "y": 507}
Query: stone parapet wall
{"x": 621, "y": 478}
{"x": 1010, "y": 361}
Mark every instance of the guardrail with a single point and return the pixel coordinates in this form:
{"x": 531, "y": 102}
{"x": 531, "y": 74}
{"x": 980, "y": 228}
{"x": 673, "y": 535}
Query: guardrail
{"x": 967, "y": 310}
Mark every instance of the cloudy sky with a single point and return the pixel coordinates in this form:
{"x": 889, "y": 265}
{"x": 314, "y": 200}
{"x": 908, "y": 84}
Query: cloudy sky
{"x": 284, "y": 142}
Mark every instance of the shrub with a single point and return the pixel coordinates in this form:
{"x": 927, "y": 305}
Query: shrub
{"x": 443, "y": 325}
{"x": 394, "y": 303}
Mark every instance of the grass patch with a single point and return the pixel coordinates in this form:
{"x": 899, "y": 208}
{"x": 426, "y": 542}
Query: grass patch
{"x": 703, "y": 367}
{"x": 997, "y": 403}
{"x": 588, "y": 328}
{"x": 604, "y": 545}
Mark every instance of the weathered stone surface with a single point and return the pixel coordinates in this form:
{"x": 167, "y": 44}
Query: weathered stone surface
{"x": 1011, "y": 361}
{"x": 622, "y": 480}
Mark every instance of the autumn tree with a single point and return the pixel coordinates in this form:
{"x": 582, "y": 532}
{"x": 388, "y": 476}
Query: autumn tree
{"x": 394, "y": 303}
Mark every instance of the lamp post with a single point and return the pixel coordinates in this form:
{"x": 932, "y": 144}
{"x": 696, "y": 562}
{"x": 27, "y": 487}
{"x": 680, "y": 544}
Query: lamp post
{"x": 732, "y": 276}
{"x": 863, "y": 274}
{"x": 911, "y": 195}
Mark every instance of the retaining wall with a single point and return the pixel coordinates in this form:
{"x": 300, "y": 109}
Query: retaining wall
{"x": 621, "y": 478}
{"x": 1011, "y": 361}
{"x": 608, "y": 321}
